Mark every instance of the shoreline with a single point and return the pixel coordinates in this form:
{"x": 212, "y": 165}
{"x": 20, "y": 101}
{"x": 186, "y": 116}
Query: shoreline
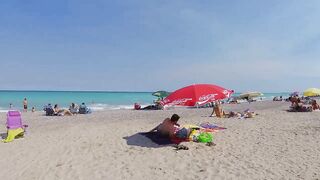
{"x": 130, "y": 107}
{"x": 98, "y": 100}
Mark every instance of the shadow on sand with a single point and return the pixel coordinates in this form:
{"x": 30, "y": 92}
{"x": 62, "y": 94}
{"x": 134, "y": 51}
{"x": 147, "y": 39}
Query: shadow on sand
{"x": 149, "y": 140}
{"x": 3, "y": 135}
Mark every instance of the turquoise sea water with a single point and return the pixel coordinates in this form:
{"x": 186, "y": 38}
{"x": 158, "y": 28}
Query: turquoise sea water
{"x": 95, "y": 100}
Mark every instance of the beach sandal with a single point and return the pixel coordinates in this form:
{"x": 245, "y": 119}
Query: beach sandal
{"x": 210, "y": 144}
{"x": 181, "y": 147}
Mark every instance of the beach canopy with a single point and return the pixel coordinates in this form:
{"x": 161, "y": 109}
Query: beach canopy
{"x": 312, "y": 92}
{"x": 250, "y": 95}
{"x": 197, "y": 94}
{"x": 161, "y": 94}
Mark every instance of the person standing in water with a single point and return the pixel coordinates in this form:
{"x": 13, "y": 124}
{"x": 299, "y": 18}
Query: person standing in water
{"x": 25, "y": 105}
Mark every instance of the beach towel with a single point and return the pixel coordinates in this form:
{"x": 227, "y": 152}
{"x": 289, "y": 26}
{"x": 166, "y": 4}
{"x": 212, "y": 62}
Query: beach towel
{"x": 211, "y": 126}
{"x": 160, "y": 139}
{"x": 191, "y": 126}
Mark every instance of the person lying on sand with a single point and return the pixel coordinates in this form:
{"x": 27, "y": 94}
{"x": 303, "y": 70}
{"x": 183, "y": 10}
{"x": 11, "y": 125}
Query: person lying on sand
{"x": 60, "y": 112}
{"x": 170, "y": 127}
{"x": 156, "y": 106}
{"x": 245, "y": 114}
{"x": 249, "y": 114}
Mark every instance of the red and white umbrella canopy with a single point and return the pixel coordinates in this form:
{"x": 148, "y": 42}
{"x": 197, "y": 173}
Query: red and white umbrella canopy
{"x": 196, "y": 94}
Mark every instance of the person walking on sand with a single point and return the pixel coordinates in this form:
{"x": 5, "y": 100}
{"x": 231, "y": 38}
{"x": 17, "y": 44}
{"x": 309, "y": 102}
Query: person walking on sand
{"x": 25, "y": 105}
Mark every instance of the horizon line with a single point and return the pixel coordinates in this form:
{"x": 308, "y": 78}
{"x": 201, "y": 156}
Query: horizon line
{"x": 98, "y": 91}
{"x": 93, "y": 91}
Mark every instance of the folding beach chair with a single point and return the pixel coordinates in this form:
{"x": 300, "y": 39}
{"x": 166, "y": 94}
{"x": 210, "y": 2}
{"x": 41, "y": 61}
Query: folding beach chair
{"x": 15, "y": 128}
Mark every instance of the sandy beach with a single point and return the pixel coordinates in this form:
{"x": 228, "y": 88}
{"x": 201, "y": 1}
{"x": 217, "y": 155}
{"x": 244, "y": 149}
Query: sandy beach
{"x": 276, "y": 144}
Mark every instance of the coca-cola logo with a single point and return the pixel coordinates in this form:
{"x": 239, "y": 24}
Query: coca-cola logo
{"x": 178, "y": 101}
{"x": 207, "y": 97}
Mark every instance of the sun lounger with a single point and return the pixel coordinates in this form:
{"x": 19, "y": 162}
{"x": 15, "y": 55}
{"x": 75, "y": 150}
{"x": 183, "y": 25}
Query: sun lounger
{"x": 15, "y": 128}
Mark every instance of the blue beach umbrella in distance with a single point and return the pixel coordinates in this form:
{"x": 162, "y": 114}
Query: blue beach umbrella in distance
{"x": 250, "y": 95}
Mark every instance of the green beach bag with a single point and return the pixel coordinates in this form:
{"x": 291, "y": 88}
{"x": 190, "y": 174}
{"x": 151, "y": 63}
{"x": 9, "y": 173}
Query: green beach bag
{"x": 205, "y": 137}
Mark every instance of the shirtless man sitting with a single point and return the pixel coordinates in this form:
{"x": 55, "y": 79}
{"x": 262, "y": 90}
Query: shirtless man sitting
{"x": 170, "y": 127}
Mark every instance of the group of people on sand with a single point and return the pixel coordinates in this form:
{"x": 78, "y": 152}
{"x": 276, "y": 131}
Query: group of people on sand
{"x": 303, "y": 104}
{"x": 278, "y": 98}
{"x": 73, "y": 109}
{"x": 171, "y": 129}
{"x": 24, "y": 105}
{"x": 56, "y": 110}
{"x": 220, "y": 113}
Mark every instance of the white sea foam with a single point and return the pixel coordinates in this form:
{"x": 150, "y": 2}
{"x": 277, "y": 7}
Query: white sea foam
{"x": 4, "y": 110}
{"x": 101, "y": 107}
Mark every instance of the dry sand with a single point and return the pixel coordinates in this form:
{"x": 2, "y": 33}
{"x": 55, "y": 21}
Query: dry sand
{"x": 274, "y": 145}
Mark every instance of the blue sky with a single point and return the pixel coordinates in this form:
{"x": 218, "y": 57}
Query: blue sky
{"x": 147, "y": 45}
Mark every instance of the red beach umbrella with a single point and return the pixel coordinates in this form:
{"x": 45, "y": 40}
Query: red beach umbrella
{"x": 196, "y": 94}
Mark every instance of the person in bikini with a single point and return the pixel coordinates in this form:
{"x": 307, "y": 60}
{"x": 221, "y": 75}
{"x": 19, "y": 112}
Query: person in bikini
{"x": 217, "y": 110}
{"x": 58, "y": 111}
{"x": 25, "y": 105}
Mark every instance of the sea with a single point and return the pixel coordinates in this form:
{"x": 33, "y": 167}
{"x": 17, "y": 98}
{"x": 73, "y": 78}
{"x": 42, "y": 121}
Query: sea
{"x": 97, "y": 101}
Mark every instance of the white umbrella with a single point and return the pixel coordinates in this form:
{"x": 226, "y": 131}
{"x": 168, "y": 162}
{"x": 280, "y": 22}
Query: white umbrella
{"x": 250, "y": 95}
